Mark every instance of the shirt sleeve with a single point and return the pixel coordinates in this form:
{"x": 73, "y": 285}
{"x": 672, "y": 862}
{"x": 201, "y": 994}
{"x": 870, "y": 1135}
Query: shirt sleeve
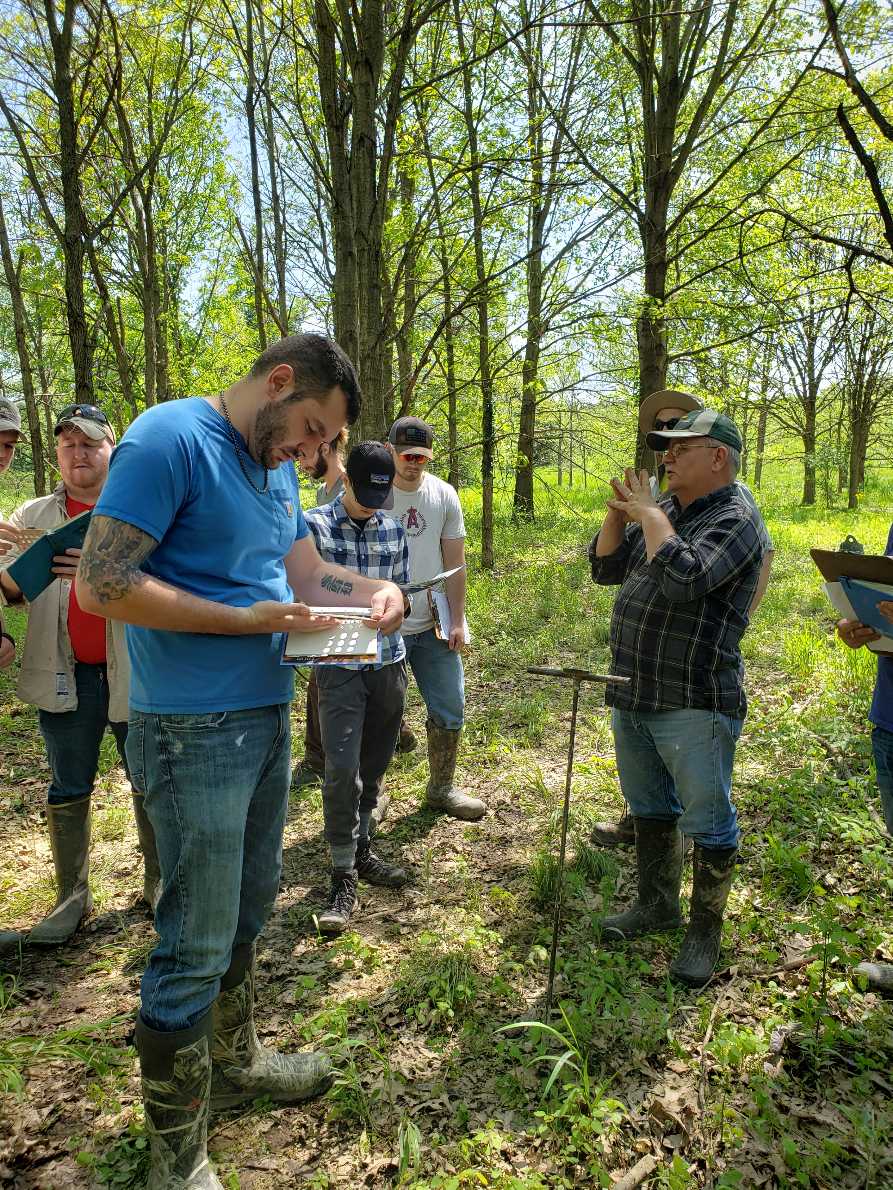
{"x": 453, "y": 521}
{"x": 688, "y": 570}
{"x": 149, "y": 478}
{"x": 401, "y": 570}
{"x": 611, "y": 569}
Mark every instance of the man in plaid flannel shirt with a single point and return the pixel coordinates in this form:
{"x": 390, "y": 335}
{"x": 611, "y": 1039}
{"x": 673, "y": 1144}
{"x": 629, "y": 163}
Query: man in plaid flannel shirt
{"x": 360, "y": 704}
{"x": 688, "y": 564}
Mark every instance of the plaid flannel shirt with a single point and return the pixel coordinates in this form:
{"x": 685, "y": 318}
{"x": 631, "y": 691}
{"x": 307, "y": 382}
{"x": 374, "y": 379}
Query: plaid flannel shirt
{"x": 678, "y": 619}
{"x": 379, "y": 550}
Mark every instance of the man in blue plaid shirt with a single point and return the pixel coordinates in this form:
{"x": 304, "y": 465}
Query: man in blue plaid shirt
{"x": 360, "y": 704}
{"x": 688, "y": 564}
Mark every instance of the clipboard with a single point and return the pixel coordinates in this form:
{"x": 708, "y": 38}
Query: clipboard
{"x": 870, "y": 568}
{"x": 32, "y": 569}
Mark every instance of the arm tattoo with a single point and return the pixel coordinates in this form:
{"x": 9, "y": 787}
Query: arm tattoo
{"x": 338, "y": 586}
{"x": 112, "y": 556}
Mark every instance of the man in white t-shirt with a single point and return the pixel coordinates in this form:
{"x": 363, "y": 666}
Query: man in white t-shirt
{"x": 431, "y": 516}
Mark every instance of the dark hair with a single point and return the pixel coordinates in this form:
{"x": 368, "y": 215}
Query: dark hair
{"x": 319, "y": 365}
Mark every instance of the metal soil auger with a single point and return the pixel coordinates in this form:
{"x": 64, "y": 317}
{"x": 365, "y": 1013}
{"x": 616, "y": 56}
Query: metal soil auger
{"x": 578, "y": 677}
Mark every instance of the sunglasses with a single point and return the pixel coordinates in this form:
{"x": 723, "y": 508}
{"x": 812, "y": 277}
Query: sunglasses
{"x": 669, "y": 424}
{"x": 411, "y": 458}
{"x": 90, "y": 412}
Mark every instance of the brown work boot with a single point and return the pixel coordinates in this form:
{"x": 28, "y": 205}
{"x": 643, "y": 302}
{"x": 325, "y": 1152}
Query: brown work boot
{"x": 407, "y": 741}
{"x": 615, "y": 834}
{"x": 659, "y": 862}
{"x": 443, "y": 749}
{"x": 69, "y": 827}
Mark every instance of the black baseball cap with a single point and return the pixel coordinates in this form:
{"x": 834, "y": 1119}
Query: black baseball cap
{"x": 89, "y": 419}
{"x": 370, "y": 469}
{"x": 411, "y": 435}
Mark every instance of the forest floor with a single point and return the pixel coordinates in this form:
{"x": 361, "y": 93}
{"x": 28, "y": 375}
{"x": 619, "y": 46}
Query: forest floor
{"x": 776, "y": 1074}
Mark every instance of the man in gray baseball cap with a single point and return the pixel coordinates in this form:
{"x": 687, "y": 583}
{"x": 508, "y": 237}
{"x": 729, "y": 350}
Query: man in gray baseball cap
{"x": 687, "y": 564}
{"x": 10, "y": 432}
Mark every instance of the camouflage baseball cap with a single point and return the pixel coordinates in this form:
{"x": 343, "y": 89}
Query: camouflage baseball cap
{"x": 10, "y": 418}
{"x": 700, "y": 423}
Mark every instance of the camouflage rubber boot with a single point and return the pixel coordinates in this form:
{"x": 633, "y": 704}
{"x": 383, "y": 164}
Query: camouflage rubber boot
{"x": 10, "y": 940}
{"x": 713, "y": 872}
{"x": 176, "y": 1078}
{"x": 69, "y": 827}
{"x": 443, "y": 748}
{"x": 151, "y": 870}
{"x": 659, "y": 862}
{"x": 615, "y": 834}
{"x": 379, "y": 813}
{"x": 243, "y": 1069}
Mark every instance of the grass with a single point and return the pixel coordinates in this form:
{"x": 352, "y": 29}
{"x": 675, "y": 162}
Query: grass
{"x": 775, "y": 1075}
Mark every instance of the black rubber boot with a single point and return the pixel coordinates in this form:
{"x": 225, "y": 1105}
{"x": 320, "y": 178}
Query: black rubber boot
{"x": 659, "y": 861}
{"x": 69, "y": 827}
{"x": 374, "y": 870}
{"x": 615, "y": 834}
{"x": 176, "y": 1077}
{"x": 713, "y": 869}
{"x": 243, "y": 1069}
{"x": 151, "y": 870}
{"x": 342, "y": 902}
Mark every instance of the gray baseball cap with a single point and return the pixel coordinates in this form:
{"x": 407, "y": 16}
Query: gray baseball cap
{"x": 10, "y": 418}
{"x": 702, "y": 423}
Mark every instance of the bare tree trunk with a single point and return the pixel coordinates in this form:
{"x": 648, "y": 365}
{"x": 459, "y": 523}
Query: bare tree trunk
{"x": 761, "y": 445}
{"x": 18, "y": 319}
{"x": 251, "y": 121}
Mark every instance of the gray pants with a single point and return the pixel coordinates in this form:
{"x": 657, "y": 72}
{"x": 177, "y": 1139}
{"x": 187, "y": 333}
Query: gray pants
{"x": 359, "y": 718}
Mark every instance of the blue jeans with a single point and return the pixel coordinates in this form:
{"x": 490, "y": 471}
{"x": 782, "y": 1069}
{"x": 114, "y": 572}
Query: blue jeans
{"x": 216, "y": 792}
{"x": 73, "y": 738}
{"x": 439, "y": 676}
{"x": 882, "y": 747}
{"x": 678, "y": 764}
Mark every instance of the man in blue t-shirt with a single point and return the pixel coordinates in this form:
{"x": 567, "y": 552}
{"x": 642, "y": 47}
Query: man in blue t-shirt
{"x": 855, "y": 634}
{"x": 198, "y": 543}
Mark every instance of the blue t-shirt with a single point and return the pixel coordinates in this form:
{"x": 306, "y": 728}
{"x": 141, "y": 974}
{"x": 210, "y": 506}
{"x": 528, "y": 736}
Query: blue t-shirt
{"x": 882, "y": 704}
{"x": 176, "y": 476}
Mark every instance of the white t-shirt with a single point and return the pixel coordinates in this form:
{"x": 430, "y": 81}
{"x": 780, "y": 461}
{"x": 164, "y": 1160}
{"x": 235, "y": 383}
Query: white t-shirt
{"x": 431, "y": 513}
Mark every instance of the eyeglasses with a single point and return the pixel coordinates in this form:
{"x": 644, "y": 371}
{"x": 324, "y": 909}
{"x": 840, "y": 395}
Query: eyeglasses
{"x": 669, "y": 424}
{"x": 90, "y": 412}
{"x": 678, "y": 449}
{"x": 410, "y": 458}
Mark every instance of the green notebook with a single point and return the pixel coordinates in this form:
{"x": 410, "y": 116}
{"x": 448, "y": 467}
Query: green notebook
{"x": 32, "y": 570}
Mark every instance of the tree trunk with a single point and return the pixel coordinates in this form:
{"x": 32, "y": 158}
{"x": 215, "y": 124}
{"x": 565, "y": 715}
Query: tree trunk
{"x": 251, "y": 120}
{"x": 18, "y": 319}
{"x": 761, "y": 445}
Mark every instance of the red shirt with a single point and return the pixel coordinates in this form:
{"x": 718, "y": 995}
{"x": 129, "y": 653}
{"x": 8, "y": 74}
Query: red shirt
{"x": 86, "y": 631}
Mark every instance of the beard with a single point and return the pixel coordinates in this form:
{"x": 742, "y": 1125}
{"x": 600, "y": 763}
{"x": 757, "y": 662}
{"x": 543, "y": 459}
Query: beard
{"x": 269, "y": 431}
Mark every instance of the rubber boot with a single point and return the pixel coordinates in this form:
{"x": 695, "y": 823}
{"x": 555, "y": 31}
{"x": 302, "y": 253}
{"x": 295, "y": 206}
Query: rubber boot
{"x": 151, "y": 870}
{"x": 10, "y": 939}
{"x": 878, "y": 977}
{"x": 712, "y": 875}
{"x": 69, "y": 827}
{"x": 379, "y": 813}
{"x": 615, "y": 834}
{"x": 243, "y": 1069}
{"x": 176, "y": 1077}
{"x": 443, "y": 748}
{"x": 659, "y": 862}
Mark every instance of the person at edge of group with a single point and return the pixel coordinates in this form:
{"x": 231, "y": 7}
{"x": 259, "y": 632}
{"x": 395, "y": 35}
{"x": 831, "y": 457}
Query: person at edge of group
{"x": 878, "y": 976}
{"x": 327, "y": 466}
{"x": 661, "y": 411}
{"x": 360, "y": 703}
{"x": 688, "y": 565}
{"x": 10, "y": 434}
{"x": 74, "y": 669}
{"x": 429, "y": 511}
{"x": 199, "y": 545}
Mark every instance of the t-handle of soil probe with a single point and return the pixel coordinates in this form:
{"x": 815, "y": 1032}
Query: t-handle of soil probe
{"x": 575, "y": 675}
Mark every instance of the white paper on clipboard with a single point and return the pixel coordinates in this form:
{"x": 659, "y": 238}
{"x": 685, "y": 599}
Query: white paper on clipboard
{"x": 443, "y": 620}
{"x": 839, "y": 601}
